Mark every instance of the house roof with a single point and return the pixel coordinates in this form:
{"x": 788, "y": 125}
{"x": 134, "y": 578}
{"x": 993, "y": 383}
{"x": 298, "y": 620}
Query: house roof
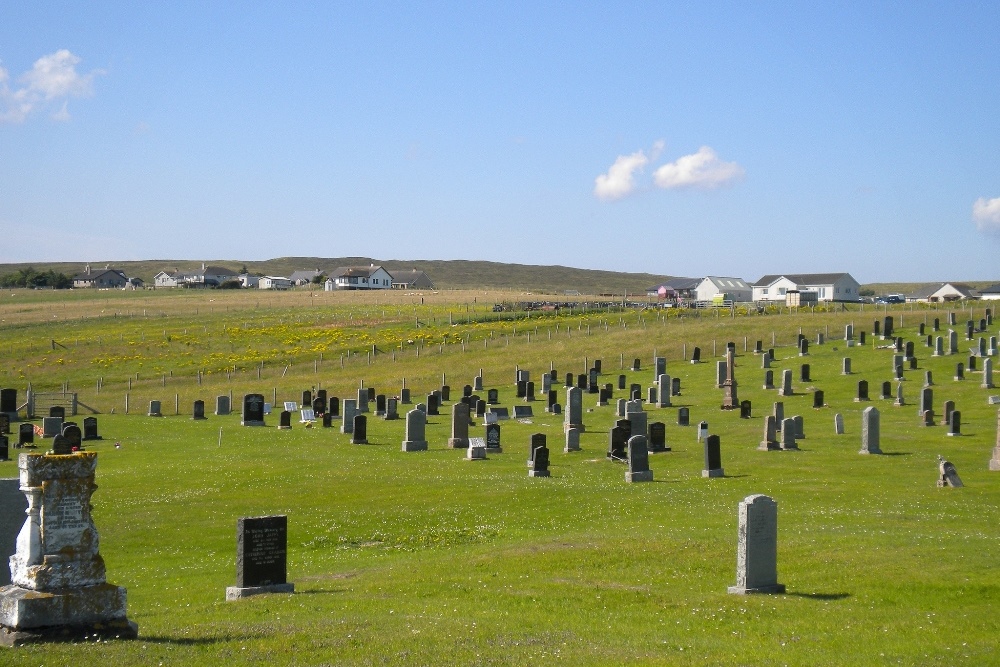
{"x": 992, "y": 289}
{"x": 926, "y": 291}
{"x": 727, "y": 282}
{"x": 356, "y": 271}
{"x": 802, "y": 278}
{"x": 677, "y": 284}
{"x": 218, "y": 271}
{"x": 307, "y": 275}
{"x": 94, "y": 275}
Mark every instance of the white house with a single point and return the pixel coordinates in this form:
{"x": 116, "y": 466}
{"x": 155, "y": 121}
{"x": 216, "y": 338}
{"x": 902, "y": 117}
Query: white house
{"x": 248, "y": 280}
{"x": 731, "y": 289}
{"x": 940, "y": 292}
{"x": 358, "y": 277}
{"x": 828, "y": 286}
{"x": 990, "y": 293}
{"x": 274, "y": 282}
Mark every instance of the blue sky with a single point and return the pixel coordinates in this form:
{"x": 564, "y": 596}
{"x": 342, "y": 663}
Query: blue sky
{"x": 725, "y": 138}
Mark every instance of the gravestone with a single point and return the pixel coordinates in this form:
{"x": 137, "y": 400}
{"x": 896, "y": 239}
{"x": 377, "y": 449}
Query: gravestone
{"x": 638, "y": 460}
{"x": 659, "y": 367}
{"x": 445, "y": 392}
{"x": 955, "y": 423}
{"x": 71, "y": 432}
{"x": 769, "y": 380}
{"x": 635, "y": 392}
{"x": 432, "y": 404}
{"x": 361, "y": 406}
{"x": 492, "y": 397}
{"x": 459, "y": 426}
{"x": 4, "y": 452}
{"x": 786, "y": 383}
{"x": 618, "y": 440}
{"x": 621, "y": 381}
{"x": 636, "y": 365}
{"x": 927, "y": 418}
{"x": 285, "y": 420}
{"x": 598, "y": 365}
{"x": 928, "y": 379}
{"x": 380, "y": 405}
{"x": 25, "y": 435}
{"x": 523, "y": 412}
{"x": 500, "y": 412}
{"x": 702, "y": 431}
{"x": 675, "y": 386}
{"x": 198, "y": 410}
{"x": 730, "y": 399}
{"x": 570, "y": 380}
{"x": 788, "y": 434}
{"x": 947, "y": 475}
{"x": 493, "y": 437}
{"x": 995, "y": 459}
{"x": 261, "y": 557}
{"x": 480, "y": 407}
{"x": 522, "y": 389}
{"x": 909, "y": 349}
{"x": 987, "y": 382}
{"x": 683, "y": 417}
{"x": 404, "y": 396}
{"x": 592, "y": 379}
{"x": 696, "y": 356}
{"x": 14, "y": 504}
{"x": 658, "y": 437}
{"x": 319, "y": 406}
{"x": 529, "y": 393}
{"x": 713, "y": 457}
{"x": 651, "y": 395}
{"x": 757, "y": 547}
{"x": 359, "y": 435}
{"x": 720, "y": 374}
{"x": 758, "y": 347}
{"x": 539, "y": 456}
{"x": 476, "y": 450}
{"x": 804, "y": 348}
{"x": 639, "y": 421}
{"x": 59, "y": 588}
{"x": 222, "y": 405}
{"x": 90, "y": 429}
{"x": 253, "y": 410}
{"x": 154, "y": 410}
{"x": 8, "y": 402}
{"x": 938, "y": 347}
{"x": 804, "y": 374}
{"x": 581, "y": 381}
{"x": 4, "y": 428}
{"x": 778, "y": 411}
{"x": 572, "y": 440}
{"x": 371, "y": 395}
{"x": 746, "y": 410}
{"x": 60, "y": 412}
{"x": 870, "y": 431}
{"x": 321, "y": 396}
{"x": 949, "y": 407}
{"x": 391, "y": 409}
{"x": 770, "y": 441}
{"x": 838, "y": 424}
{"x": 818, "y": 399}
{"x": 414, "y": 439}
{"x": 972, "y": 363}
{"x": 307, "y": 398}
{"x": 620, "y": 407}
{"x": 862, "y": 394}
{"x": 333, "y": 407}
{"x": 574, "y": 410}
{"x": 926, "y": 400}
{"x": 886, "y": 390}
{"x": 60, "y": 445}
{"x": 350, "y": 412}
{"x": 846, "y": 368}
{"x": 952, "y": 341}
{"x": 900, "y": 399}
{"x": 937, "y": 324}
{"x": 327, "y": 421}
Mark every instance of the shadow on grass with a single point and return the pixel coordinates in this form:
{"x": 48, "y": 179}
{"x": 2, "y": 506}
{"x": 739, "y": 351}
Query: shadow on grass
{"x": 734, "y": 476}
{"x": 822, "y": 596}
{"x": 897, "y": 454}
{"x": 193, "y": 641}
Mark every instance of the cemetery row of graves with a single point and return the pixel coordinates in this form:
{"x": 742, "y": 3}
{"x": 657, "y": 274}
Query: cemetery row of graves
{"x": 399, "y": 520}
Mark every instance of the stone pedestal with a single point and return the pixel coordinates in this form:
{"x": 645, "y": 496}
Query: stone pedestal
{"x": 59, "y": 589}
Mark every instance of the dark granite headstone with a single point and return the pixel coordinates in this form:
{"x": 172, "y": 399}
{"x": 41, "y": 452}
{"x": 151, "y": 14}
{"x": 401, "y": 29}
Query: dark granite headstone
{"x": 285, "y": 420}
{"x": 492, "y": 396}
{"x": 581, "y": 381}
{"x": 621, "y": 381}
{"x": 746, "y": 410}
{"x": 432, "y": 404}
{"x": 445, "y": 393}
{"x": 71, "y": 432}
{"x": 334, "y": 407}
{"x": 467, "y": 390}
{"x": 4, "y": 423}
{"x": 675, "y": 386}
{"x": 522, "y": 389}
{"x": 618, "y": 440}
{"x": 371, "y": 393}
{"x": 404, "y": 396}
{"x": 360, "y": 435}
{"x": 380, "y": 405}
{"x": 25, "y": 435}
{"x": 713, "y": 457}
{"x": 696, "y": 356}
{"x": 805, "y": 373}
{"x": 684, "y": 417}
{"x": 8, "y": 402}
{"x": 319, "y": 406}
{"x": 307, "y": 398}
{"x": 539, "y": 459}
{"x": 90, "y": 428}
{"x": 4, "y": 448}
{"x": 253, "y": 410}
{"x": 493, "y": 437}
{"x": 480, "y": 407}
{"x": 57, "y": 411}
{"x": 262, "y": 552}
{"x": 198, "y": 411}
{"x": 636, "y": 364}
{"x": 570, "y": 379}
{"x": 862, "y": 391}
{"x": 818, "y": 399}
{"x": 61, "y": 445}
{"x": 658, "y": 437}
{"x": 327, "y": 420}
{"x": 886, "y": 390}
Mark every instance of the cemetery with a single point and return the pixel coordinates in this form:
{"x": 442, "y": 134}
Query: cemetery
{"x": 356, "y": 490}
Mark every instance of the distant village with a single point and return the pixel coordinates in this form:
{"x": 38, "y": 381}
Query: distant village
{"x": 791, "y": 289}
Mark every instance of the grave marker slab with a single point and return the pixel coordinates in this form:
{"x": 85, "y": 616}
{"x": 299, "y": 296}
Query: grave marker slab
{"x": 261, "y": 557}
{"x": 757, "y": 547}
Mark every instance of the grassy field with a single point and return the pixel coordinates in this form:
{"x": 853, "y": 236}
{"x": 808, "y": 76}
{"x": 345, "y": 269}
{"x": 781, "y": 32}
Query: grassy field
{"x": 426, "y": 558}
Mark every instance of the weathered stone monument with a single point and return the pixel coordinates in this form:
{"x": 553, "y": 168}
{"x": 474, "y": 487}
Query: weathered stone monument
{"x": 222, "y": 405}
{"x": 770, "y": 441}
{"x": 572, "y": 440}
{"x": 870, "y": 431}
{"x": 730, "y": 401}
{"x": 414, "y": 439}
{"x": 995, "y": 460}
{"x": 261, "y": 557}
{"x": 14, "y": 504}
{"x": 638, "y": 460}
{"x": 786, "y": 383}
{"x": 59, "y": 588}
{"x": 459, "y": 426}
{"x": 757, "y": 547}
{"x": 574, "y": 410}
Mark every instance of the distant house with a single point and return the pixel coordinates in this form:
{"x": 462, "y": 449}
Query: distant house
{"x": 411, "y": 280}
{"x": 682, "y": 288}
{"x": 828, "y": 286}
{"x": 206, "y": 276}
{"x": 730, "y": 289}
{"x": 106, "y": 278}
{"x": 304, "y": 277}
{"x": 248, "y": 280}
{"x": 990, "y": 293}
{"x": 274, "y": 282}
{"x": 942, "y": 292}
{"x": 358, "y": 277}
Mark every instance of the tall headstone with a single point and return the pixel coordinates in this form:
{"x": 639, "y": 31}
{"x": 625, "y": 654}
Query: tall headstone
{"x": 862, "y": 394}
{"x": 838, "y": 424}
{"x": 359, "y": 435}
{"x": 730, "y": 401}
{"x": 987, "y": 373}
{"x": 713, "y": 458}
{"x": 285, "y": 420}
{"x": 870, "y": 431}
{"x": 846, "y": 367}
{"x": 261, "y": 557}
{"x": 663, "y": 390}
{"x": 361, "y": 406}
{"x": 995, "y": 459}
{"x": 770, "y": 441}
{"x": 788, "y": 434}
{"x": 572, "y": 440}
{"x": 90, "y": 429}
{"x": 59, "y": 587}
{"x": 493, "y": 437}
{"x": 198, "y": 410}
{"x": 786, "y": 383}
{"x": 658, "y": 437}
{"x": 414, "y": 440}
{"x": 539, "y": 456}
{"x": 638, "y": 460}
{"x": 222, "y": 405}
{"x": 757, "y": 547}
{"x": 955, "y": 423}
{"x": 350, "y": 410}
{"x": 574, "y": 409}
{"x": 459, "y": 426}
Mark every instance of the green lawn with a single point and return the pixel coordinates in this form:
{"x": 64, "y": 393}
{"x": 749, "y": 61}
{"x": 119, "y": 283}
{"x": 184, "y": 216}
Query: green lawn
{"x": 426, "y": 558}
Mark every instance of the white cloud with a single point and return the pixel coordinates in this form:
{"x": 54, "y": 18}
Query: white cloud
{"x": 50, "y": 82}
{"x": 703, "y": 169}
{"x": 986, "y": 214}
{"x": 620, "y": 179}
